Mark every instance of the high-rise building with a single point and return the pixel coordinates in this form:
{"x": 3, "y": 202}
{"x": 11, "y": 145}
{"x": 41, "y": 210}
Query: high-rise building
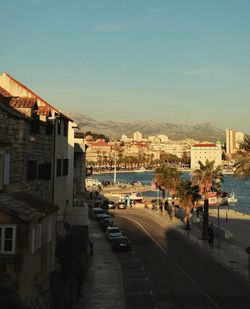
{"x": 233, "y": 141}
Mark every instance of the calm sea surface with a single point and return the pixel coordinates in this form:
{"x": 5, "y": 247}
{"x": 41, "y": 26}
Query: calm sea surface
{"x": 240, "y": 187}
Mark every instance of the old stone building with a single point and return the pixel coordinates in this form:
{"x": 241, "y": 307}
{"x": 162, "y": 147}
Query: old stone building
{"x": 27, "y": 214}
{"x": 42, "y": 170}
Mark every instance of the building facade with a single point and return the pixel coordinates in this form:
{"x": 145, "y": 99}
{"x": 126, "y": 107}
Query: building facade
{"x": 27, "y": 214}
{"x": 233, "y": 141}
{"x": 203, "y": 152}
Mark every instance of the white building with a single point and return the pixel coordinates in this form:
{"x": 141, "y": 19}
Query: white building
{"x": 137, "y": 136}
{"x": 163, "y": 138}
{"x": 203, "y": 152}
{"x": 125, "y": 139}
{"x": 233, "y": 141}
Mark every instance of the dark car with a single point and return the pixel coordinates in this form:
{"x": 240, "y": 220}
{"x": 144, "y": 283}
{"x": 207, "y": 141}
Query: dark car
{"x": 106, "y": 222}
{"x": 121, "y": 243}
{"x": 108, "y": 204}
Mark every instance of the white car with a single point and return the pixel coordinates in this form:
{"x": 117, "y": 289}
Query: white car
{"x": 113, "y": 232}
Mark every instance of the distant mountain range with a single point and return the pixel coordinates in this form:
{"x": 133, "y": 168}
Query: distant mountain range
{"x": 115, "y": 129}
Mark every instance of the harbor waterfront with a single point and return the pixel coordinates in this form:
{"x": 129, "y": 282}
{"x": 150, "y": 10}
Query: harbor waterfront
{"x": 240, "y": 187}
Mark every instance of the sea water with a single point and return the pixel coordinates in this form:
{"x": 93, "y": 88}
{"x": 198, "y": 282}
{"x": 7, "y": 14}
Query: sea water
{"x": 240, "y": 187}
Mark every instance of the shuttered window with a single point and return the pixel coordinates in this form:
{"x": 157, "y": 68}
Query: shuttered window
{"x": 65, "y": 166}
{"x": 31, "y": 169}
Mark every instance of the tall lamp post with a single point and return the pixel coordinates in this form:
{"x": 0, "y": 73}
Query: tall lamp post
{"x": 115, "y": 168}
{"x": 218, "y": 219}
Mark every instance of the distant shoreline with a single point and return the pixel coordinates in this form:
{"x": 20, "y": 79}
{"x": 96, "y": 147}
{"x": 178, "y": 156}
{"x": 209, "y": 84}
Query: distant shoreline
{"x": 134, "y": 171}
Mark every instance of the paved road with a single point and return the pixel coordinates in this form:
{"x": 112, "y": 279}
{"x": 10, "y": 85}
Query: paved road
{"x": 164, "y": 271}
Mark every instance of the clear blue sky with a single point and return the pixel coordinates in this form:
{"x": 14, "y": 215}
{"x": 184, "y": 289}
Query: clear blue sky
{"x": 181, "y": 61}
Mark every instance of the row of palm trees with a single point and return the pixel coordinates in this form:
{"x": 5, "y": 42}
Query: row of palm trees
{"x": 203, "y": 180}
{"x": 189, "y": 191}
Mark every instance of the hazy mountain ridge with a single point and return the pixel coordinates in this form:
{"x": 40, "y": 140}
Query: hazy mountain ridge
{"x": 174, "y": 131}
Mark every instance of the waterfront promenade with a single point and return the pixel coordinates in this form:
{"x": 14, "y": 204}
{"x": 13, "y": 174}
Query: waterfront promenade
{"x": 230, "y": 242}
{"x": 103, "y": 287}
{"x": 231, "y": 252}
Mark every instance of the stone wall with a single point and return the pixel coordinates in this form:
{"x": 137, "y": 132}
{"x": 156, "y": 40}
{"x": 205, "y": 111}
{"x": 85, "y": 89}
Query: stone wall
{"x": 17, "y": 141}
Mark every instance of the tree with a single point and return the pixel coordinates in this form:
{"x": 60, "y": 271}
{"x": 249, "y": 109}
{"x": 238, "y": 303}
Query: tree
{"x": 188, "y": 194}
{"x": 245, "y": 145}
{"x": 242, "y": 164}
{"x": 207, "y": 178}
{"x": 168, "y": 178}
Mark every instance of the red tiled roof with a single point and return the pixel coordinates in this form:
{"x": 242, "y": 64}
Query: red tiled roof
{"x": 34, "y": 94}
{"x": 204, "y": 145}
{"x": 44, "y": 110}
{"x": 23, "y": 102}
{"x": 4, "y": 92}
{"x": 99, "y": 143}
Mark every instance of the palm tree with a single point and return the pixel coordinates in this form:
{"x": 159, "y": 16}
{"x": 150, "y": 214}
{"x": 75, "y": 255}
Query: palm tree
{"x": 242, "y": 165}
{"x": 245, "y": 145}
{"x": 188, "y": 195}
{"x": 207, "y": 178}
{"x": 168, "y": 178}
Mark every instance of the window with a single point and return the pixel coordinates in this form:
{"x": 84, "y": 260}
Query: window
{"x": 44, "y": 171}
{"x": 49, "y": 127}
{"x": 36, "y": 238}
{"x": 4, "y": 169}
{"x": 59, "y": 167}
{"x": 59, "y": 126}
{"x": 1, "y": 171}
{"x": 31, "y": 169}
{"x": 34, "y": 124}
{"x": 65, "y": 128}
{"x": 47, "y": 170}
{"x": 7, "y": 239}
{"x": 65, "y": 166}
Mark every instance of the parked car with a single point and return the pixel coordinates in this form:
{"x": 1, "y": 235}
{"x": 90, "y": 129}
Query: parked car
{"x": 108, "y": 204}
{"x": 121, "y": 206}
{"x": 112, "y": 232}
{"x": 121, "y": 244}
{"x": 106, "y": 222}
{"x": 97, "y": 212}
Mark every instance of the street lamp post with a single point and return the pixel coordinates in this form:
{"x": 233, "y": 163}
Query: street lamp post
{"x": 218, "y": 208}
{"x": 115, "y": 169}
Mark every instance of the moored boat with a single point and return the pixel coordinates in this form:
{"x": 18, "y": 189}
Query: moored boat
{"x": 232, "y": 198}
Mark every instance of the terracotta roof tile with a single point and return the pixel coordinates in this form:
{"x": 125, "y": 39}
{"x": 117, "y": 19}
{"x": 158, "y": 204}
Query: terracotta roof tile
{"x": 23, "y": 102}
{"x": 99, "y": 143}
{"x": 44, "y": 110}
{"x": 36, "y": 96}
{"x": 204, "y": 145}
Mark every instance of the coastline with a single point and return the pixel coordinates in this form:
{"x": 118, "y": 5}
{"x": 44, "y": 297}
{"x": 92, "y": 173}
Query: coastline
{"x": 135, "y": 171}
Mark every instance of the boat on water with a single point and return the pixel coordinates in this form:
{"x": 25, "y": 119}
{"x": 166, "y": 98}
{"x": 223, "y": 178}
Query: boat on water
{"x": 140, "y": 170}
{"x": 232, "y": 198}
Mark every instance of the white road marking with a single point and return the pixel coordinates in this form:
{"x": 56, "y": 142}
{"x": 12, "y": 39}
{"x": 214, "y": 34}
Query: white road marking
{"x": 177, "y": 265}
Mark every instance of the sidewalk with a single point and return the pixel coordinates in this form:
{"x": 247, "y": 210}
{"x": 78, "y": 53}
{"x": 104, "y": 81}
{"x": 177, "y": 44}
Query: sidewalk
{"x": 230, "y": 253}
{"x": 102, "y": 287}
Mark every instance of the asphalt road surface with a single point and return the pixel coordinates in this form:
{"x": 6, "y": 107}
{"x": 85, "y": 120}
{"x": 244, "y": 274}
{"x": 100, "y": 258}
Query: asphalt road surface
{"x": 165, "y": 271}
